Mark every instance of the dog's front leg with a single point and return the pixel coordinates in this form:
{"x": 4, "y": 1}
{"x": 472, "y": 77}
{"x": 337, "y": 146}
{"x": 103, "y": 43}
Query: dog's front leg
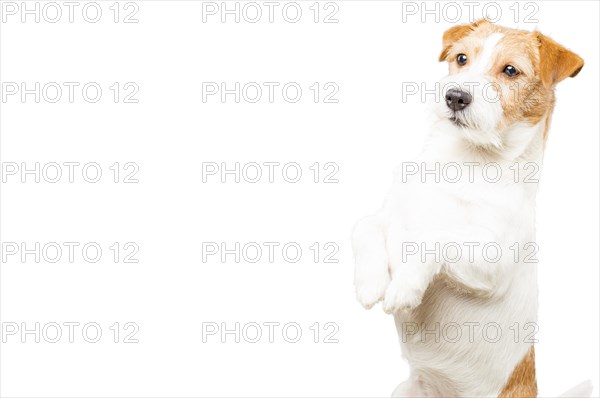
{"x": 410, "y": 275}
{"x": 371, "y": 273}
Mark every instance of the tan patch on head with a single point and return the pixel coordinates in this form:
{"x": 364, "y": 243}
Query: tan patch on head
{"x": 457, "y": 33}
{"x": 524, "y": 98}
{"x": 522, "y": 382}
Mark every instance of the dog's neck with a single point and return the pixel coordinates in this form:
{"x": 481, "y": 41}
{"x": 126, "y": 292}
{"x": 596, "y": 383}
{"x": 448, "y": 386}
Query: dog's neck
{"x": 520, "y": 143}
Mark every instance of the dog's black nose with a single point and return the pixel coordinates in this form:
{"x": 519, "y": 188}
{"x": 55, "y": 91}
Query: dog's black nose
{"x": 457, "y": 99}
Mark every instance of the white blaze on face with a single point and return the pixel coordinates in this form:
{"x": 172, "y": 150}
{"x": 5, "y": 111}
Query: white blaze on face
{"x": 483, "y": 116}
{"x": 483, "y": 62}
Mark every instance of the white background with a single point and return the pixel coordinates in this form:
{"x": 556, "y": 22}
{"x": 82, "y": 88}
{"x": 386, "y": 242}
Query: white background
{"x": 170, "y": 132}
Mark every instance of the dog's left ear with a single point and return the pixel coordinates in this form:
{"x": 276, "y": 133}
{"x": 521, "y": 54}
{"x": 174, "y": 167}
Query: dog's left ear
{"x": 456, "y": 33}
{"x": 556, "y": 62}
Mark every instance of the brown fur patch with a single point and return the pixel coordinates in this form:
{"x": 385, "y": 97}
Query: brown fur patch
{"x": 556, "y": 62}
{"x": 522, "y": 382}
{"x": 524, "y": 97}
{"x": 456, "y": 33}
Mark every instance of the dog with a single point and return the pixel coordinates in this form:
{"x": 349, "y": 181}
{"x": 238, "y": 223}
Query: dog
{"x": 466, "y": 317}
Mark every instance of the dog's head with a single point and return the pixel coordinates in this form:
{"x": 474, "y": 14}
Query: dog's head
{"x": 500, "y": 77}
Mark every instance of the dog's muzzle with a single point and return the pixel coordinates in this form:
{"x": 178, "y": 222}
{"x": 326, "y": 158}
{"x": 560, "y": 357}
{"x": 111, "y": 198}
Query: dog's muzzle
{"x": 458, "y": 100}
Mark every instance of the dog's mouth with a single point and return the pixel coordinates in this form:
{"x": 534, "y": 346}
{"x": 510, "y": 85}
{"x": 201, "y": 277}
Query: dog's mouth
{"x": 457, "y": 120}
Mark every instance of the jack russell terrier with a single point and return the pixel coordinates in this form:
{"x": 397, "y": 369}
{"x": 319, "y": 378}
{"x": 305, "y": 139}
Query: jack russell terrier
{"x": 451, "y": 255}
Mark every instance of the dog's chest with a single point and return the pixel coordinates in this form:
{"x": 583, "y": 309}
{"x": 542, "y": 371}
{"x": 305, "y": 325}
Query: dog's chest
{"x": 499, "y": 206}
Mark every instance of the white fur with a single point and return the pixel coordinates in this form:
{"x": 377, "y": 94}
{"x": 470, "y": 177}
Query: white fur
{"x": 429, "y": 292}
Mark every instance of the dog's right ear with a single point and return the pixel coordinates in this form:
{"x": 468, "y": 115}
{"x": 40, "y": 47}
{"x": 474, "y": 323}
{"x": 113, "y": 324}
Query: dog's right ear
{"x": 556, "y": 62}
{"x": 456, "y": 33}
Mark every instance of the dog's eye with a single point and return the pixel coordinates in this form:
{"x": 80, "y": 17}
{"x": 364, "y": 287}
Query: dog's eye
{"x": 511, "y": 71}
{"x": 461, "y": 59}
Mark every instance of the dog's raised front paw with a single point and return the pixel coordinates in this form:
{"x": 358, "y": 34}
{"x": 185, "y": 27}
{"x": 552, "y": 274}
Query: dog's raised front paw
{"x": 401, "y": 296}
{"x": 369, "y": 294}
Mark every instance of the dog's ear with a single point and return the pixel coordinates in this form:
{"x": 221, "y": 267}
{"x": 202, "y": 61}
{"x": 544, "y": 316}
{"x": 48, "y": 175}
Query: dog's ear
{"x": 556, "y": 62}
{"x": 456, "y": 33}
